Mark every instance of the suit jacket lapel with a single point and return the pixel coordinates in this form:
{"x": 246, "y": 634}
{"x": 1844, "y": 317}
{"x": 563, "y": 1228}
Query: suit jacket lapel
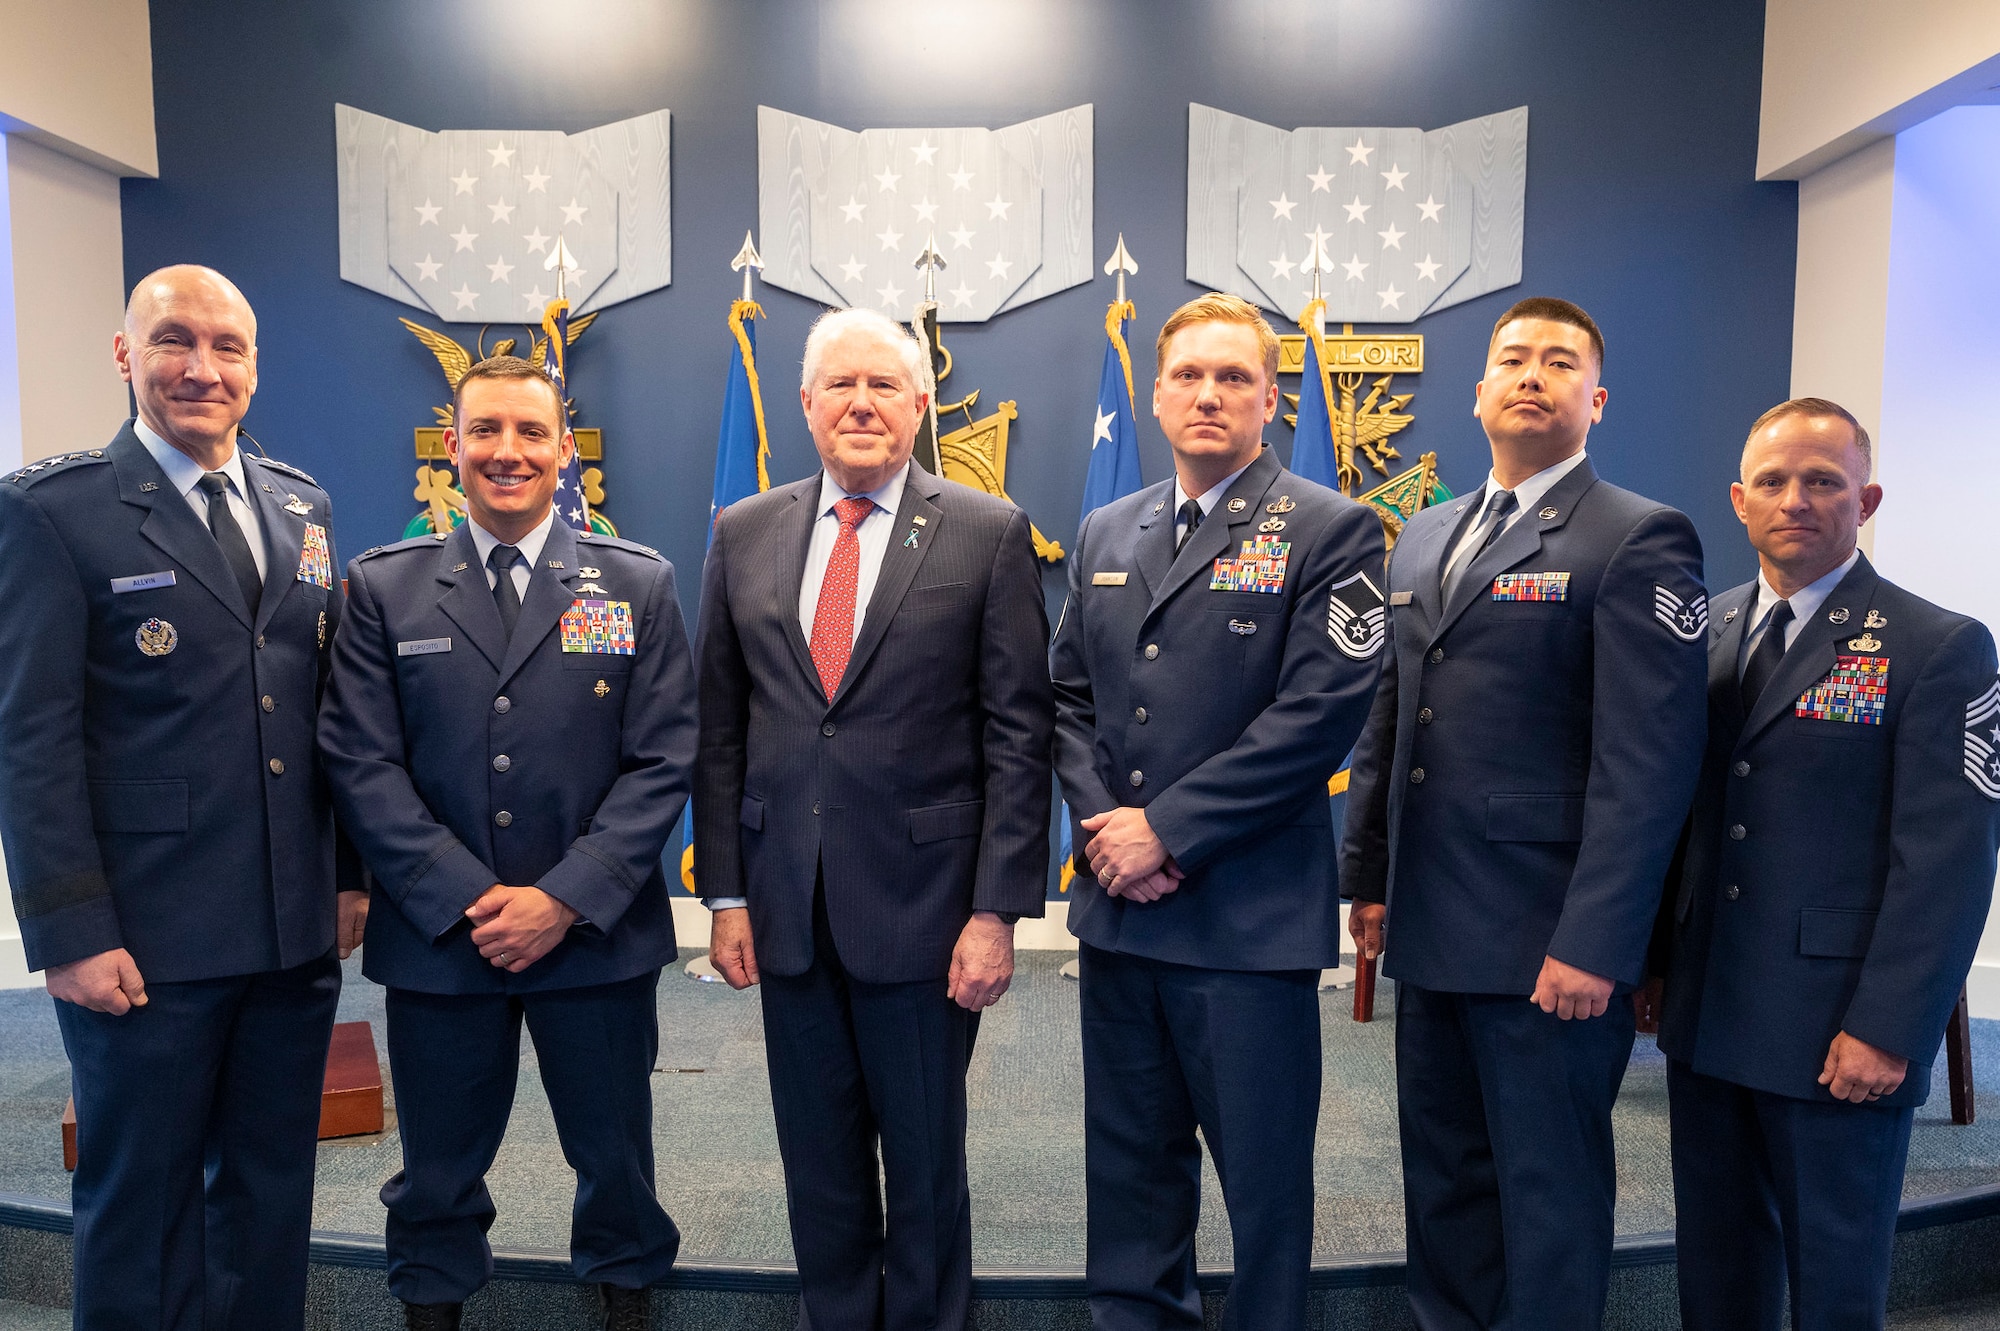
{"x": 792, "y": 534}
{"x": 1426, "y": 552}
{"x": 171, "y": 525}
{"x": 284, "y": 542}
{"x": 1725, "y": 647}
{"x": 1519, "y": 542}
{"x": 468, "y": 601}
{"x": 548, "y": 595}
{"x": 1153, "y": 552}
{"x": 1218, "y": 532}
{"x": 1811, "y": 654}
{"x": 899, "y": 568}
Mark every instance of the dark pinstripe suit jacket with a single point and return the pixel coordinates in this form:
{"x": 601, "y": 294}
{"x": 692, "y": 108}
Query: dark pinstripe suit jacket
{"x": 921, "y": 791}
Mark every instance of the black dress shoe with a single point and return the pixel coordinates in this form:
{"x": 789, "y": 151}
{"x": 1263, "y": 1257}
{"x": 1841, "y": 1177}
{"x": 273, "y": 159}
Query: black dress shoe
{"x": 627, "y": 1309}
{"x": 431, "y": 1316}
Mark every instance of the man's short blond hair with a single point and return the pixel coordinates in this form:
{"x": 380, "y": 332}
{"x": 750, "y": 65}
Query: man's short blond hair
{"x": 1218, "y": 307}
{"x": 1820, "y": 408}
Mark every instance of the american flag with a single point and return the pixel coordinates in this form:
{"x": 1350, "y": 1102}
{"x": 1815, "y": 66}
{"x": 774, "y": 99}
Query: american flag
{"x": 571, "y": 505}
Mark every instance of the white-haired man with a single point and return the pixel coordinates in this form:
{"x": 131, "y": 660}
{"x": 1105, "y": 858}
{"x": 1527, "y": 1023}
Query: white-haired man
{"x": 872, "y": 793}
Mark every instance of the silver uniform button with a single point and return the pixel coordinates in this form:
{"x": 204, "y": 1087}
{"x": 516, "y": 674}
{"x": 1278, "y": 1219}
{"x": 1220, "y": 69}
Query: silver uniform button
{"x": 1437, "y": 655}
{"x": 503, "y": 818}
{"x": 827, "y": 730}
{"x": 502, "y": 763}
{"x": 1137, "y": 778}
{"x": 1140, "y": 716}
{"x": 277, "y": 767}
{"x": 1742, "y": 768}
{"x": 1416, "y": 776}
{"x": 268, "y": 703}
{"x": 1732, "y": 892}
{"x": 501, "y": 704}
{"x": 1424, "y": 716}
{"x": 1152, "y": 651}
{"x": 1738, "y": 831}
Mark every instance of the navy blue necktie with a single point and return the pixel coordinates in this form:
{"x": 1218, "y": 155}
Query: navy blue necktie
{"x": 1769, "y": 655}
{"x": 229, "y": 535}
{"x": 501, "y": 561}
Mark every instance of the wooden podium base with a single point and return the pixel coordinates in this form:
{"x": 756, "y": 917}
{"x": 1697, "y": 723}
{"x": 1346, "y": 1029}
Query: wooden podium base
{"x": 350, "y": 1100}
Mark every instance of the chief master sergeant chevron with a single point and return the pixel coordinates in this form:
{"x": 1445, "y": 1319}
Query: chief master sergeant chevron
{"x": 1213, "y": 665}
{"x": 166, "y": 606}
{"x": 1515, "y": 800}
{"x": 510, "y": 729}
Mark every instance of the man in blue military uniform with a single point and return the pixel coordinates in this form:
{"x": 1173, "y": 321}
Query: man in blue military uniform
{"x": 166, "y": 604}
{"x": 1838, "y": 869}
{"x": 1514, "y": 804}
{"x": 510, "y": 729}
{"x": 1213, "y": 666}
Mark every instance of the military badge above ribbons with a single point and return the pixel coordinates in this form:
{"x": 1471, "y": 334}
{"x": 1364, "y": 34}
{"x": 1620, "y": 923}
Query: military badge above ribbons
{"x": 1356, "y": 618}
{"x": 1685, "y": 619}
{"x": 603, "y": 628}
{"x": 1982, "y": 742}
{"x": 315, "y": 560}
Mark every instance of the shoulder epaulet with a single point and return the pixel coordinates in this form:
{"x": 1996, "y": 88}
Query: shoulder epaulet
{"x": 619, "y": 543}
{"x": 428, "y": 542}
{"x": 288, "y": 469}
{"x": 35, "y": 471}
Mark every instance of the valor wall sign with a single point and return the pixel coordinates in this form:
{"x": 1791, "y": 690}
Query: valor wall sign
{"x": 1413, "y": 220}
{"x": 843, "y": 216}
{"x": 461, "y": 223}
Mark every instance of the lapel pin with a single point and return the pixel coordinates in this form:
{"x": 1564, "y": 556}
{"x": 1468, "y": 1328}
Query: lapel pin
{"x": 1837, "y": 615}
{"x": 459, "y": 568}
{"x": 555, "y": 563}
{"x": 1282, "y": 504}
{"x": 1157, "y": 507}
{"x": 147, "y": 487}
{"x": 1549, "y": 514}
{"x": 1875, "y": 620}
{"x": 586, "y": 571}
{"x": 1729, "y": 617}
{"x": 601, "y": 689}
{"x": 1238, "y": 504}
{"x": 920, "y": 519}
{"x": 910, "y": 541}
{"x": 269, "y": 491}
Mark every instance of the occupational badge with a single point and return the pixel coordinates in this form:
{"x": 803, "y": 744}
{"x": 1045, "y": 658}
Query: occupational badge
{"x": 1856, "y": 690}
{"x": 1531, "y": 587}
{"x": 156, "y": 637}
{"x": 296, "y": 506}
{"x": 586, "y": 571}
{"x": 1687, "y": 619}
{"x": 1282, "y": 504}
{"x": 1243, "y": 628}
{"x": 1982, "y": 742}
{"x": 600, "y": 627}
{"x": 591, "y": 587}
{"x": 1875, "y": 620}
{"x": 601, "y": 689}
{"x": 315, "y": 560}
{"x": 1270, "y": 526}
{"x": 1356, "y": 618}
{"x": 1867, "y": 642}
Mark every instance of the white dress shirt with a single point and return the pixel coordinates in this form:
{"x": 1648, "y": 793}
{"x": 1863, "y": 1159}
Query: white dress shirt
{"x": 873, "y": 534}
{"x": 1527, "y": 499}
{"x": 530, "y": 547}
{"x": 1208, "y": 499}
{"x": 184, "y": 474}
{"x": 1806, "y": 602}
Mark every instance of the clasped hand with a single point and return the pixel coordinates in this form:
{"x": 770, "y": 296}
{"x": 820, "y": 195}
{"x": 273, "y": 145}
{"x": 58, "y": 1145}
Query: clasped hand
{"x": 515, "y": 927}
{"x": 1128, "y": 859}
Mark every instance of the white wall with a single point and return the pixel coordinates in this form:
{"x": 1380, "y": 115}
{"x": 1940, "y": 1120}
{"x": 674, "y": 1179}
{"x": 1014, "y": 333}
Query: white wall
{"x": 1841, "y": 74}
{"x": 78, "y": 76}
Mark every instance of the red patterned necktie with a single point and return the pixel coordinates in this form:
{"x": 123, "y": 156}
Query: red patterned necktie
{"x": 833, "y": 617}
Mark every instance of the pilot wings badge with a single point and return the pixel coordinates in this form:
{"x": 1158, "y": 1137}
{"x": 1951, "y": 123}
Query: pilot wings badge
{"x": 1982, "y": 742}
{"x": 1686, "y": 620}
{"x": 1356, "y": 619}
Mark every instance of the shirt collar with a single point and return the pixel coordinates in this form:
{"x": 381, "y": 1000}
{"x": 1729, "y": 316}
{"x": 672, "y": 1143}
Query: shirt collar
{"x": 887, "y": 496}
{"x": 1212, "y": 496}
{"x": 1528, "y": 494}
{"x": 1807, "y": 600}
{"x": 530, "y": 545}
{"x": 183, "y": 472}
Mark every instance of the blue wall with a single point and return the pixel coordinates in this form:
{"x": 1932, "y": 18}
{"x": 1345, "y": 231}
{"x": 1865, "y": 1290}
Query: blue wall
{"x": 1641, "y": 206}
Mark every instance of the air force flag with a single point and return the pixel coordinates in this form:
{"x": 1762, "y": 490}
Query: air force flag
{"x": 460, "y": 223}
{"x": 1414, "y": 221}
{"x": 843, "y": 215}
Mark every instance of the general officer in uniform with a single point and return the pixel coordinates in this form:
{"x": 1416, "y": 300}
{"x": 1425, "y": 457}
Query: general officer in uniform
{"x": 166, "y": 602}
{"x": 1839, "y": 865}
{"x": 871, "y": 818}
{"x": 1213, "y": 666}
{"x": 510, "y": 728}
{"x": 1515, "y": 801}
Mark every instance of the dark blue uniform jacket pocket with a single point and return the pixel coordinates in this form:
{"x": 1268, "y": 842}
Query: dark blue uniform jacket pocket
{"x": 1828, "y": 932}
{"x": 751, "y": 814}
{"x": 1534, "y": 817}
{"x": 139, "y": 806}
{"x": 941, "y": 822}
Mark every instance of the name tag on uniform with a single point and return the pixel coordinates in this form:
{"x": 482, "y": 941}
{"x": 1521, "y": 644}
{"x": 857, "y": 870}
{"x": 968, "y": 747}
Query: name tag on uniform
{"x": 142, "y": 582}
{"x": 1399, "y": 598}
{"x": 1096, "y": 579}
{"x": 423, "y": 647}
{"x": 1856, "y": 690}
{"x": 599, "y": 627}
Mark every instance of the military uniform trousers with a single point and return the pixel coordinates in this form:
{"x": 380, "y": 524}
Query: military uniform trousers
{"x": 1166, "y": 1049}
{"x": 1771, "y": 1191}
{"x": 456, "y": 1059}
{"x": 855, "y": 1067}
{"x": 215, "y": 1080}
{"x": 1499, "y": 1099}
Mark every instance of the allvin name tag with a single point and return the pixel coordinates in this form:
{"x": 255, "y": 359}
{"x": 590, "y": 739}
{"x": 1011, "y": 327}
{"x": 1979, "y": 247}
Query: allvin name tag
{"x": 142, "y": 582}
{"x": 1096, "y": 579}
{"x": 1399, "y": 598}
{"x": 423, "y": 647}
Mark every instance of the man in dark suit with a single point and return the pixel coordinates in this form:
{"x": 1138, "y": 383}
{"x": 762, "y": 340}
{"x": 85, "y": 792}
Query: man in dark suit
{"x": 510, "y": 730}
{"x": 166, "y": 603}
{"x": 1514, "y": 803}
{"x": 871, "y": 817}
{"x": 1852, "y": 777}
{"x": 1213, "y": 665}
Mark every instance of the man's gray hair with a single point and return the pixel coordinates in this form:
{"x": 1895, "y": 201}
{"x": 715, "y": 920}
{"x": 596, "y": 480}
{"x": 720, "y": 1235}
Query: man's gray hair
{"x": 835, "y": 322}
